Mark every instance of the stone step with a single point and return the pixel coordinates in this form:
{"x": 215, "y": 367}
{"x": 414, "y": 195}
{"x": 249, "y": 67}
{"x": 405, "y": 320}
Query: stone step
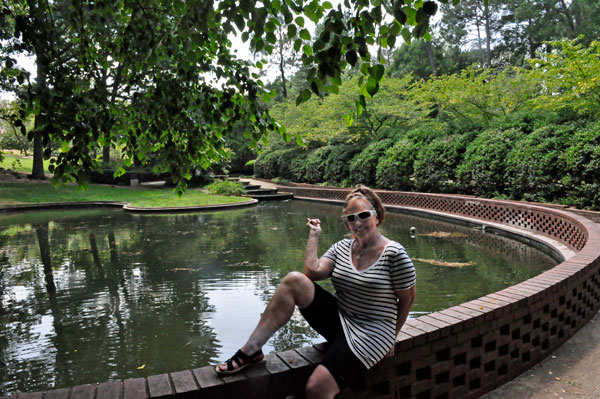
{"x": 253, "y": 187}
{"x": 261, "y": 190}
{"x": 271, "y": 197}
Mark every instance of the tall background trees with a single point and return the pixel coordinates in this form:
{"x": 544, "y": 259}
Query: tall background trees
{"x": 502, "y": 101}
{"x": 158, "y": 79}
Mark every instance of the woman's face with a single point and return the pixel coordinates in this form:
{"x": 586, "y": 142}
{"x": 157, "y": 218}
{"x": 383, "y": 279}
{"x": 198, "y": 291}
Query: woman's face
{"x": 360, "y": 227}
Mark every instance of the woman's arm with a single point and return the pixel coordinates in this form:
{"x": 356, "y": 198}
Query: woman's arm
{"x": 405, "y": 300}
{"x": 316, "y": 269}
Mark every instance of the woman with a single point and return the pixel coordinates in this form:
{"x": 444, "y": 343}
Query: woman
{"x": 374, "y": 281}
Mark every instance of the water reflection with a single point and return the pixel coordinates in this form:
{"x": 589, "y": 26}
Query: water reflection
{"x": 96, "y": 295}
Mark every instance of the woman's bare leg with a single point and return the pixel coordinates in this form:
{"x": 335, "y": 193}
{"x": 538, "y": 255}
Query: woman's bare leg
{"x": 295, "y": 290}
{"x": 321, "y": 384}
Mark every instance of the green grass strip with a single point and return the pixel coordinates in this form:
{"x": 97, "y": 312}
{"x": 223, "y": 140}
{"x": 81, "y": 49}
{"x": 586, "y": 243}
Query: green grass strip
{"x": 19, "y": 163}
{"x": 36, "y": 193}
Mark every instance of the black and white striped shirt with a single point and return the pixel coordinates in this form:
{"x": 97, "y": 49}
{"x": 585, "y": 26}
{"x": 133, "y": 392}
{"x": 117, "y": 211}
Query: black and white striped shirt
{"x": 367, "y": 300}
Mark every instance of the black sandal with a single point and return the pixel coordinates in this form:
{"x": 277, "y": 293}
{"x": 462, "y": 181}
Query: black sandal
{"x": 242, "y": 360}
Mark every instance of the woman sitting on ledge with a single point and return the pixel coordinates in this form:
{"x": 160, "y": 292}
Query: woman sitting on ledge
{"x": 374, "y": 281}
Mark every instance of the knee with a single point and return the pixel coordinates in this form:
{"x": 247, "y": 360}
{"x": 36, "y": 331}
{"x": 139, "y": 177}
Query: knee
{"x": 313, "y": 389}
{"x": 294, "y": 279}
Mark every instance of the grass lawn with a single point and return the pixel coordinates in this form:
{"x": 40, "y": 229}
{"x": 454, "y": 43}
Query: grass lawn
{"x": 19, "y": 163}
{"x": 12, "y": 193}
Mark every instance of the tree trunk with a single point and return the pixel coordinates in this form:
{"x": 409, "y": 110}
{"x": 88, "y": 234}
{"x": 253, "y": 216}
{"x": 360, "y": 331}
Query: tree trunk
{"x": 37, "y": 171}
{"x": 42, "y": 234}
{"x": 429, "y": 48}
{"x": 488, "y": 36}
{"x": 106, "y": 154}
{"x": 40, "y": 122}
{"x": 283, "y": 85}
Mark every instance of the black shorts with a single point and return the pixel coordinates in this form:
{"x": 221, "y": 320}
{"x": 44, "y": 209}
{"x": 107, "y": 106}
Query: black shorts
{"x": 342, "y": 363}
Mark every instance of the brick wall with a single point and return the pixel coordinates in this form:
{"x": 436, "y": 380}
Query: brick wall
{"x": 460, "y": 352}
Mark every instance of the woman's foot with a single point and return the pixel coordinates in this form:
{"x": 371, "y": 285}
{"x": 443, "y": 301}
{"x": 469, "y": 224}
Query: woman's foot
{"x": 238, "y": 362}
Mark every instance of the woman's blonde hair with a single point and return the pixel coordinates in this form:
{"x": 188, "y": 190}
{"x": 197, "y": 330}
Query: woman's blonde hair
{"x": 366, "y": 193}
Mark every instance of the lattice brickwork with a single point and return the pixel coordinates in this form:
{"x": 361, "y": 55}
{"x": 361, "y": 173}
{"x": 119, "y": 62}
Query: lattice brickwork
{"x": 537, "y": 219}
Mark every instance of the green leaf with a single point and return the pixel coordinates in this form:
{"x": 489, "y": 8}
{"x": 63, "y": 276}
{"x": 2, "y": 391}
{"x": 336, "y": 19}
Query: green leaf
{"x": 421, "y": 16}
{"x": 306, "y": 94}
{"x": 307, "y": 49}
{"x": 314, "y": 87}
{"x": 406, "y": 35}
{"x": 303, "y": 97}
{"x": 270, "y": 27}
{"x": 420, "y": 29}
{"x": 349, "y": 118}
{"x": 300, "y": 21}
{"x": 305, "y": 34}
{"x": 411, "y": 15}
{"x": 372, "y": 86}
{"x": 64, "y": 146}
{"x": 351, "y": 57}
{"x": 299, "y": 141}
{"x": 391, "y": 41}
{"x": 291, "y": 31}
{"x": 297, "y": 45}
{"x": 376, "y": 72}
{"x": 364, "y": 68}
{"x": 359, "y": 108}
{"x": 430, "y": 7}
{"x": 327, "y": 5}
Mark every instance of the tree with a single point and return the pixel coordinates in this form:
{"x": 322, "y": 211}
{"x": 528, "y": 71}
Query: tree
{"x": 527, "y": 24}
{"x": 182, "y": 89}
{"x": 283, "y": 56}
{"x": 473, "y": 25}
{"x": 569, "y": 77}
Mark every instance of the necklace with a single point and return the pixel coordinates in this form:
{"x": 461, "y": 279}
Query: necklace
{"x": 359, "y": 254}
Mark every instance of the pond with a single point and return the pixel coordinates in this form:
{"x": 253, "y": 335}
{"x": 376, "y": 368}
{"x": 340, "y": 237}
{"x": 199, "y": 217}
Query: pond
{"x": 96, "y": 295}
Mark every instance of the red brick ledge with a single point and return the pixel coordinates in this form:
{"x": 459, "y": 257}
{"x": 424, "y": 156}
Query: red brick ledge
{"x": 122, "y": 205}
{"x": 460, "y": 352}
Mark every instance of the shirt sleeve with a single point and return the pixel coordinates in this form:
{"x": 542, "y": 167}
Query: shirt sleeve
{"x": 403, "y": 271}
{"x": 332, "y": 252}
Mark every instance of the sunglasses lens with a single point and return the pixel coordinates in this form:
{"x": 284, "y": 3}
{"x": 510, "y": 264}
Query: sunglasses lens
{"x": 364, "y": 215}
{"x": 351, "y": 218}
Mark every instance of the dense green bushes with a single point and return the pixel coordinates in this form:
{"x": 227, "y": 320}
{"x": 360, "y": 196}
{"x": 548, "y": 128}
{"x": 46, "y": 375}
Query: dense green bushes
{"x": 519, "y": 157}
{"x": 364, "y": 166}
{"x": 521, "y": 133}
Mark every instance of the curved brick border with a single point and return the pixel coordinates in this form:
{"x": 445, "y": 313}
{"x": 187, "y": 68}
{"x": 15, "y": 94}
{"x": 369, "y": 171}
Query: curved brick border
{"x": 460, "y": 352}
{"x": 122, "y": 205}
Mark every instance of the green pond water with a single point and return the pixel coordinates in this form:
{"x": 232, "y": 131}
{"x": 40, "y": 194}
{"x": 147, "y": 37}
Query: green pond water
{"x": 96, "y": 295}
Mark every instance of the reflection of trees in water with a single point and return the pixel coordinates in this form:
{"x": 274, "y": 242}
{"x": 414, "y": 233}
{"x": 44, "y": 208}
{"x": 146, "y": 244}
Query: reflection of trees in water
{"x": 107, "y": 307}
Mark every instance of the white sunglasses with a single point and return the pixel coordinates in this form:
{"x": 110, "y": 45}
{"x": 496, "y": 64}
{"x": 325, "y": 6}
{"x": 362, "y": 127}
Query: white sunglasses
{"x": 361, "y": 215}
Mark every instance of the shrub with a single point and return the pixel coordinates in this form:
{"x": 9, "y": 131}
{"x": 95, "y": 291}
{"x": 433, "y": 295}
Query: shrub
{"x": 436, "y": 163}
{"x": 535, "y": 165}
{"x": 363, "y": 166}
{"x": 337, "y": 166}
{"x": 226, "y": 187}
{"x": 315, "y": 164}
{"x": 395, "y": 168}
{"x": 267, "y": 164}
{"x": 582, "y": 159}
{"x": 483, "y": 169}
{"x": 286, "y": 162}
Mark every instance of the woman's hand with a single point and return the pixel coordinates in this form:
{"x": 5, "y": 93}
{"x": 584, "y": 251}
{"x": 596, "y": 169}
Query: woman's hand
{"x": 314, "y": 225}
{"x": 391, "y": 353}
